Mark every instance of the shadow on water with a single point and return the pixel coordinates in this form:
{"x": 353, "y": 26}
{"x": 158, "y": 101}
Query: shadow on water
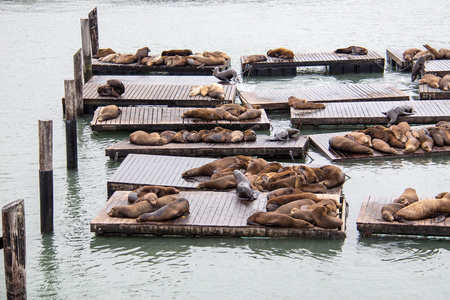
{"x": 49, "y": 266}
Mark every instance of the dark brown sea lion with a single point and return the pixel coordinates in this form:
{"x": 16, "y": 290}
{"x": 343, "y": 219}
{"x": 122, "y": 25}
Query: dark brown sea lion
{"x": 356, "y": 50}
{"x": 171, "y": 211}
{"x": 431, "y": 80}
{"x": 321, "y": 219}
{"x": 141, "y": 137}
{"x": 287, "y": 208}
{"x": 292, "y": 182}
{"x": 281, "y": 53}
{"x": 106, "y": 90}
{"x": 418, "y": 65}
{"x": 283, "y": 192}
{"x": 250, "y": 114}
{"x": 180, "y": 52}
{"x": 243, "y": 186}
{"x": 272, "y": 166}
{"x": 131, "y": 210}
{"x": 202, "y": 113}
{"x": 345, "y": 144}
{"x": 255, "y": 58}
{"x": 219, "y": 164}
{"x": 376, "y": 133}
{"x": 109, "y": 112}
{"x": 117, "y": 85}
{"x": 276, "y": 220}
{"x": 167, "y": 136}
{"x": 424, "y": 209}
{"x": 193, "y": 137}
{"x": 410, "y": 53}
{"x": 333, "y": 176}
{"x": 438, "y": 140}
{"x": 180, "y": 136}
{"x": 217, "y": 137}
{"x": 141, "y": 53}
{"x": 445, "y": 134}
{"x": 275, "y": 202}
{"x": 103, "y": 52}
{"x": 444, "y": 83}
{"x": 159, "y": 191}
{"x": 249, "y": 135}
{"x": 426, "y": 142}
{"x": 389, "y": 210}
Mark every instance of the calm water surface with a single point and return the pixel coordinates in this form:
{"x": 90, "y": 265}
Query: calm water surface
{"x": 39, "y": 39}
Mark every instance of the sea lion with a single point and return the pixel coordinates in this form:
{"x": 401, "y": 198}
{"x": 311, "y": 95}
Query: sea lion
{"x": 272, "y": 166}
{"x": 393, "y": 113}
{"x": 445, "y": 134}
{"x": 274, "y": 202}
{"x": 255, "y": 58}
{"x": 438, "y": 140}
{"x": 216, "y": 91}
{"x": 398, "y": 133}
{"x": 243, "y": 186}
{"x": 131, "y": 210}
{"x": 229, "y": 170}
{"x": 444, "y": 83}
{"x": 283, "y": 192}
{"x": 333, "y": 176}
{"x": 345, "y": 144}
{"x": 307, "y": 172}
{"x": 180, "y": 136}
{"x": 410, "y": 53}
{"x": 219, "y": 54}
{"x": 424, "y": 209}
{"x": 430, "y": 79}
{"x": 287, "y": 208}
{"x": 356, "y": 50}
{"x": 217, "y": 137}
{"x": 195, "y": 90}
{"x": 418, "y": 65}
{"x": 281, "y": 53}
{"x": 284, "y": 134}
{"x": 250, "y": 114}
{"x": 389, "y": 210}
{"x": 426, "y": 142}
{"x": 209, "y": 168}
{"x": 117, "y": 85}
{"x": 298, "y": 213}
{"x": 321, "y": 219}
{"x": 106, "y": 90}
{"x": 233, "y": 108}
{"x": 141, "y": 53}
{"x": 276, "y": 220}
{"x": 160, "y": 191}
{"x": 298, "y": 103}
{"x": 167, "y": 136}
{"x": 201, "y": 61}
{"x": 412, "y": 144}
{"x": 316, "y": 188}
{"x": 360, "y": 138}
{"x": 441, "y": 54}
{"x": 222, "y": 183}
{"x": 237, "y": 136}
{"x": 171, "y": 211}
{"x": 125, "y": 59}
{"x": 291, "y": 181}
{"x": 109, "y": 112}
{"x": 249, "y": 135}
{"x": 331, "y": 205}
{"x": 226, "y": 75}
{"x": 226, "y": 115}
{"x": 383, "y": 146}
{"x": 103, "y": 52}
{"x": 422, "y": 53}
{"x": 445, "y": 124}
{"x": 156, "y": 60}
{"x": 141, "y": 137}
{"x": 410, "y": 195}
{"x": 202, "y": 113}
{"x": 109, "y": 57}
{"x": 255, "y": 166}
{"x": 376, "y": 133}
{"x": 180, "y": 52}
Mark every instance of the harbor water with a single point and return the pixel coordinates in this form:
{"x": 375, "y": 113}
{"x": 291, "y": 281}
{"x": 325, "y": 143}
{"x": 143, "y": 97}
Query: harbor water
{"x": 39, "y": 39}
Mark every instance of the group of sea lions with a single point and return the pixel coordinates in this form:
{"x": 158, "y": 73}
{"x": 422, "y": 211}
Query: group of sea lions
{"x": 152, "y": 204}
{"x": 215, "y": 135}
{"x": 419, "y": 57}
{"x": 112, "y": 88}
{"x": 408, "y": 207}
{"x": 436, "y": 82}
{"x": 298, "y": 103}
{"x": 399, "y": 136}
{"x": 266, "y": 176}
{"x": 170, "y": 58}
{"x": 229, "y": 112}
{"x": 214, "y": 90}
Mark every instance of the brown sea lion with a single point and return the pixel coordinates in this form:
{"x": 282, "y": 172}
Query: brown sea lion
{"x": 195, "y": 90}
{"x": 275, "y": 202}
{"x": 255, "y": 58}
{"x": 109, "y": 112}
{"x": 141, "y": 137}
{"x": 180, "y": 52}
{"x": 237, "y": 136}
{"x": 345, "y": 144}
{"x": 287, "y": 208}
{"x": 321, "y": 219}
{"x": 272, "y": 166}
{"x": 333, "y": 176}
{"x": 438, "y": 140}
{"x": 171, "y": 211}
{"x": 159, "y": 191}
{"x": 404, "y": 127}
{"x": 283, "y": 192}
{"x": 233, "y": 108}
{"x": 255, "y": 166}
{"x": 376, "y": 133}
{"x": 305, "y": 215}
{"x": 250, "y": 114}
{"x": 356, "y": 50}
{"x": 383, "y": 146}
{"x": 216, "y": 91}
{"x": 249, "y": 135}
{"x": 424, "y": 209}
{"x": 330, "y": 204}
{"x": 431, "y": 80}
{"x": 180, "y": 136}
{"x": 224, "y": 114}
{"x": 423, "y": 53}
{"x": 103, "y": 52}
{"x": 445, "y": 124}
{"x": 193, "y": 137}
{"x": 409, "y": 194}
{"x": 292, "y": 182}
{"x": 389, "y": 210}
{"x": 117, "y": 85}
{"x": 229, "y": 170}
{"x": 219, "y": 54}
{"x": 445, "y": 134}
{"x": 298, "y": 103}
{"x": 444, "y": 83}
{"x": 281, "y": 53}
{"x": 441, "y": 54}
{"x": 167, "y": 136}
{"x": 276, "y": 220}
{"x": 412, "y": 144}
{"x": 105, "y": 90}
{"x": 202, "y": 113}
{"x": 125, "y": 59}
{"x": 317, "y": 188}
{"x": 131, "y": 210}
{"x": 222, "y": 183}
{"x": 418, "y": 65}
{"x": 410, "y": 53}
{"x": 398, "y": 133}
{"x": 219, "y": 164}
{"x": 201, "y": 61}
{"x": 141, "y": 53}
{"x": 426, "y": 142}
{"x": 109, "y": 57}
{"x": 360, "y": 138}
{"x": 217, "y": 137}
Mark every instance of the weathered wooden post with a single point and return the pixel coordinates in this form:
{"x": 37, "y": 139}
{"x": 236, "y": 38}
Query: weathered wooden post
{"x": 93, "y": 25}
{"x": 13, "y": 224}
{"x": 71, "y": 124}
{"x": 86, "y": 49}
{"x": 46, "y": 174}
{"x": 78, "y": 76}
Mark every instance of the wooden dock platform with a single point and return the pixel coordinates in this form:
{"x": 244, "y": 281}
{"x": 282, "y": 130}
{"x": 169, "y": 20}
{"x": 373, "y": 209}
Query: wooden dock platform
{"x": 278, "y": 98}
{"x": 437, "y": 67}
{"x": 370, "y": 221}
{"x": 106, "y": 68}
{"x": 335, "y": 63}
{"x": 139, "y": 169}
{"x": 321, "y": 142}
{"x": 370, "y": 113}
{"x": 262, "y": 147}
{"x": 428, "y": 93}
{"x": 211, "y": 214}
{"x": 151, "y": 118}
{"x": 395, "y": 58}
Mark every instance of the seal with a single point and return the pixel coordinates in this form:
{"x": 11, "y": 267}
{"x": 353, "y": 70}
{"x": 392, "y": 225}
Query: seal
{"x": 436, "y": 135}
{"x": 180, "y": 136}
{"x": 418, "y": 65}
{"x": 445, "y": 134}
{"x": 167, "y": 136}
{"x": 281, "y": 53}
{"x": 141, "y": 53}
{"x": 202, "y": 113}
{"x": 250, "y": 114}
{"x": 412, "y": 144}
{"x": 276, "y": 220}
{"x": 383, "y": 146}
{"x": 444, "y": 83}
{"x": 360, "y": 138}
{"x": 130, "y": 211}
{"x": 287, "y": 208}
{"x": 117, "y": 85}
{"x": 255, "y": 58}
{"x": 356, "y": 50}
{"x": 291, "y": 181}
{"x": 222, "y": 183}
{"x": 125, "y": 59}
{"x": 426, "y": 142}
{"x": 103, "y": 52}
{"x": 389, "y": 210}
{"x": 233, "y": 108}
{"x": 226, "y": 75}
{"x": 275, "y": 202}
{"x": 109, "y": 57}
{"x": 229, "y": 170}
{"x": 107, "y": 91}
{"x": 321, "y": 219}
{"x": 243, "y": 186}
{"x": 398, "y": 133}
{"x": 180, "y": 52}
{"x": 219, "y": 164}
{"x": 284, "y": 134}
{"x": 298, "y": 103}
{"x": 345, "y": 144}
{"x": 430, "y": 79}
{"x": 141, "y": 137}
{"x": 216, "y": 91}
{"x": 441, "y": 54}
{"x": 109, "y": 112}
{"x": 226, "y": 115}
{"x": 171, "y": 211}
{"x": 333, "y": 176}
{"x": 201, "y": 61}
{"x": 401, "y": 110}
{"x": 160, "y": 191}
{"x": 255, "y": 166}
{"x": 249, "y": 135}
{"x": 283, "y": 192}
{"x": 237, "y": 136}
{"x": 423, "y": 209}
{"x": 410, "y": 53}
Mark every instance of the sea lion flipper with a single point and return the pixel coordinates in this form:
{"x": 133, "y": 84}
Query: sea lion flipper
{"x": 441, "y": 218}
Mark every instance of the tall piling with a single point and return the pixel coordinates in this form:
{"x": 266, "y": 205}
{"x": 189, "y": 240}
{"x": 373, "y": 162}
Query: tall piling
{"x": 78, "y": 76}
{"x": 93, "y": 30}
{"x": 86, "y": 49}
{"x": 46, "y": 174}
{"x": 71, "y": 124}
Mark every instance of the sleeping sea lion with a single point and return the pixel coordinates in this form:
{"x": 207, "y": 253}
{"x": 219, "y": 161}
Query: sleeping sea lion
{"x": 444, "y": 83}
{"x": 103, "y": 52}
{"x": 131, "y": 210}
{"x": 383, "y": 146}
{"x": 141, "y": 137}
{"x": 424, "y": 209}
{"x": 160, "y": 191}
{"x": 117, "y": 85}
{"x": 441, "y": 54}
{"x": 250, "y": 114}
{"x": 360, "y": 138}
{"x": 281, "y": 53}
{"x": 287, "y": 208}
{"x": 109, "y": 112}
{"x": 125, "y": 59}
{"x": 202, "y": 113}
{"x": 216, "y": 91}
{"x": 274, "y": 202}
{"x": 106, "y": 90}
{"x": 356, "y": 50}
{"x": 426, "y": 142}
{"x": 333, "y": 176}
{"x": 209, "y": 168}
{"x": 276, "y": 220}
{"x": 180, "y": 52}
{"x": 321, "y": 219}
{"x": 255, "y": 58}
{"x": 430, "y": 79}
{"x": 410, "y": 53}
{"x": 284, "y": 134}
{"x": 176, "y": 209}
{"x": 345, "y": 144}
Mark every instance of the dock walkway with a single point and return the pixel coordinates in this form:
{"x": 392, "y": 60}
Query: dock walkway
{"x": 370, "y": 113}
{"x": 278, "y": 98}
{"x": 428, "y": 93}
{"x": 370, "y": 221}
{"x": 151, "y": 118}
{"x": 211, "y": 214}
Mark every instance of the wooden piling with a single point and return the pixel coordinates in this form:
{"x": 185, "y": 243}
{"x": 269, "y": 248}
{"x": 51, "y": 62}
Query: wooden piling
{"x": 13, "y": 225}
{"x": 93, "y": 26}
{"x": 86, "y": 49}
{"x": 71, "y": 124}
{"x": 78, "y": 76}
{"x": 46, "y": 174}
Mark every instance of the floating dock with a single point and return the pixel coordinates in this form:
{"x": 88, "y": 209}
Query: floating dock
{"x": 151, "y": 118}
{"x": 437, "y": 67}
{"x": 370, "y": 221}
{"x": 262, "y": 147}
{"x": 278, "y": 98}
{"x": 137, "y": 170}
{"x": 395, "y": 59}
{"x": 321, "y": 142}
{"x": 426, "y": 92}
{"x": 370, "y": 113}
{"x": 211, "y": 214}
{"x": 336, "y": 63}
